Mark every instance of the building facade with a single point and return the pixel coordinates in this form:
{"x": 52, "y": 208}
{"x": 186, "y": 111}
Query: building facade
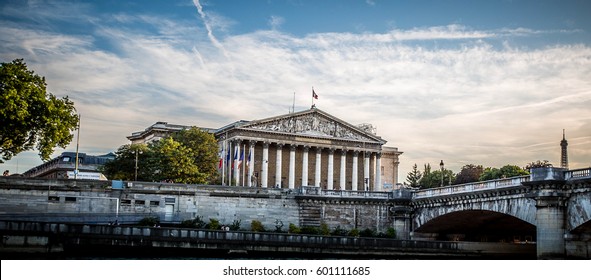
{"x": 64, "y": 167}
{"x": 307, "y": 148}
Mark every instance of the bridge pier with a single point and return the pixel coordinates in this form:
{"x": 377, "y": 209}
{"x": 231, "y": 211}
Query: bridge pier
{"x": 548, "y": 192}
{"x": 550, "y": 211}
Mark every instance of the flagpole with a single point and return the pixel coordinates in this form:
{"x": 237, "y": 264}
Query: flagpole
{"x": 242, "y": 163}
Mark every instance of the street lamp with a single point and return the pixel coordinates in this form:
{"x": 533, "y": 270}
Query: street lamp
{"x": 441, "y": 165}
{"x": 136, "y": 160}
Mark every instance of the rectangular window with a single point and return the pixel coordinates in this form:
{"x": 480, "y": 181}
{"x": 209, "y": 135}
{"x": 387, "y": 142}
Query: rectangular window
{"x": 70, "y": 199}
{"x": 140, "y": 202}
{"x": 53, "y": 198}
{"x": 126, "y": 202}
{"x": 169, "y": 200}
{"x": 154, "y": 203}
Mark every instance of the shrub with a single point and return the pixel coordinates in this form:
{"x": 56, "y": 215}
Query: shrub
{"x": 235, "y": 225}
{"x": 194, "y": 223}
{"x": 339, "y": 231}
{"x": 354, "y": 232}
{"x": 213, "y": 224}
{"x": 324, "y": 230}
{"x": 257, "y": 226}
{"x": 310, "y": 230}
{"x": 391, "y": 232}
{"x": 149, "y": 221}
{"x": 294, "y": 229}
{"x": 367, "y": 233}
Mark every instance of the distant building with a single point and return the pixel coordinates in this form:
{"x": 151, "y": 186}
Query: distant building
{"x": 158, "y": 131}
{"x": 64, "y": 166}
{"x": 307, "y": 148}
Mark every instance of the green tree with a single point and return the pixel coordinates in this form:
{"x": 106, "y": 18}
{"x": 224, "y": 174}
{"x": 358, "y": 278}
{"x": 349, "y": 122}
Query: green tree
{"x": 512, "y": 171}
{"x": 432, "y": 179}
{"x": 414, "y": 177}
{"x": 30, "y": 116}
{"x": 123, "y": 166}
{"x": 202, "y": 148}
{"x": 491, "y": 173}
{"x": 469, "y": 173}
{"x": 169, "y": 160}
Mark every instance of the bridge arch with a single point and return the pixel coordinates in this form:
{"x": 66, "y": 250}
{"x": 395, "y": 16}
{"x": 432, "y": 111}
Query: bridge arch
{"x": 520, "y": 207}
{"x": 579, "y": 212}
{"x": 477, "y": 225}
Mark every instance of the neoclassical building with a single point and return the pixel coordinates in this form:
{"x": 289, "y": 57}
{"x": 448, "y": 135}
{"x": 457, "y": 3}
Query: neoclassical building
{"x": 307, "y": 148}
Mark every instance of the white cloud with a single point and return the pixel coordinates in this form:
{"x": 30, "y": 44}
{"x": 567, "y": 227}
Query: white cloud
{"x": 275, "y": 22}
{"x": 466, "y": 103}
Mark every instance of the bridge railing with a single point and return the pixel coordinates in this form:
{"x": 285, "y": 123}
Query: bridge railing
{"x": 472, "y": 187}
{"x": 575, "y": 174}
{"x": 317, "y": 191}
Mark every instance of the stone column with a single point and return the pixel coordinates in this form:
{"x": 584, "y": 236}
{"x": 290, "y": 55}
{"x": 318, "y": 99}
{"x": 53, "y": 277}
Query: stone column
{"x": 330, "y": 170}
{"x": 366, "y": 186}
{"x": 305, "y": 166}
{"x": 231, "y": 162}
{"x": 250, "y": 162}
{"x": 318, "y": 169}
{"x": 265, "y": 172}
{"x": 378, "y": 184}
{"x": 354, "y": 172}
{"x": 278, "y": 166}
{"x": 343, "y": 177}
{"x": 292, "y": 150}
{"x": 236, "y": 167}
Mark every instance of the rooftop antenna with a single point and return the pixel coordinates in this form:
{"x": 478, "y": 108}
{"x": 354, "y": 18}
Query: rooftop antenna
{"x": 293, "y": 106}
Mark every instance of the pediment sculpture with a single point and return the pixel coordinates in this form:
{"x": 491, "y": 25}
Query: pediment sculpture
{"x": 310, "y": 124}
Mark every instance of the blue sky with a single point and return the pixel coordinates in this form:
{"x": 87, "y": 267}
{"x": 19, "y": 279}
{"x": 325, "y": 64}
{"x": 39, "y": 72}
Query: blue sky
{"x": 481, "y": 82}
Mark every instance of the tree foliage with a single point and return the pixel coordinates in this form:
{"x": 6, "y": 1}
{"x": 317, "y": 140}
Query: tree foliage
{"x": 123, "y": 167}
{"x": 414, "y": 177}
{"x": 491, "y": 173}
{"x": 203, "y": 150}
{"x": 469, "y": 173}
{"x": 537, "y": 164}
{"x": 189, "y": 156}
{"x": 433, "y": 179}
{"x": 30, "y": 116}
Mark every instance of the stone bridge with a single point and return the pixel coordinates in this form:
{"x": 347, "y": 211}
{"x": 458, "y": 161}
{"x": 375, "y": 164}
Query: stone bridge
{"x": 551, "y": 207}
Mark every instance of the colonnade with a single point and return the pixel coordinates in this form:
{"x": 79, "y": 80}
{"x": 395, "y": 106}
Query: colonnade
{"x": 254, "y": 163}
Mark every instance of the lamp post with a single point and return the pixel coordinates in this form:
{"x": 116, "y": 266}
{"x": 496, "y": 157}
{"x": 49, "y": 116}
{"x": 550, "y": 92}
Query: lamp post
{"x": 137, "y": 152}
{"x": 441, "y": 165}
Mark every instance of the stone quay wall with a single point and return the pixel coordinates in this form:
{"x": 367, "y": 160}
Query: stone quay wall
{"x": 98, "y": 202}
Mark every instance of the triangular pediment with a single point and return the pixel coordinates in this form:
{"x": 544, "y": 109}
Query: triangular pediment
{"x": 314, "y": 123}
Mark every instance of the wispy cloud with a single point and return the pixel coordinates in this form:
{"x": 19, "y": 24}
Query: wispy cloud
{"x": 275, "y": 22}
{"x": 207, "y": 24}
{"x": 470, "y": 102}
